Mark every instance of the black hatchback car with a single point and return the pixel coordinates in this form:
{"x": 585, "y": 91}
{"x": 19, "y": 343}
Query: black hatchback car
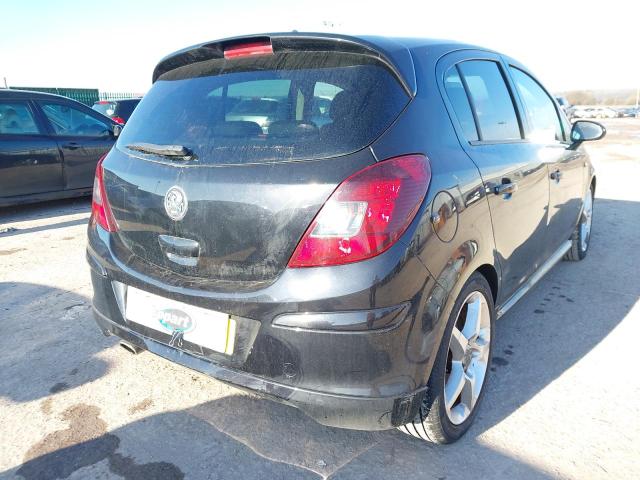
{"x": 49, "y": 146}
{"x": 352, "y": 267}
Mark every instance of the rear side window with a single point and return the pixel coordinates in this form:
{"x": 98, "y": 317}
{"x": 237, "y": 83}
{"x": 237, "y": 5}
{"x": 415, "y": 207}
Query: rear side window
{"x": 285, "y": 106}
{"x": 541, "y": 112}
{"x": 491, "y": 100}
{"x": 16, "y": 119}
{"x": 458, "y": 98}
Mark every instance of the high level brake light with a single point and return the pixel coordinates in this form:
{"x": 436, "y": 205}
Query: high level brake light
{"x": 366, "y": 214}
{"x": 100, "y": 209}
{"x": 248, "y": 49}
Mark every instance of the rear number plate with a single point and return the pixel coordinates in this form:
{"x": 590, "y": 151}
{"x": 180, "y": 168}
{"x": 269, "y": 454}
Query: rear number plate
{"x": 207, "y": 328}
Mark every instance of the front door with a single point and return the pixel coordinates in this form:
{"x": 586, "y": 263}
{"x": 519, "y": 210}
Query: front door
{"x": 567, "y": 168}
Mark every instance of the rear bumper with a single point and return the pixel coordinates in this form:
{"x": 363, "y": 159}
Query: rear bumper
{"x": 341, "y": 370}
{"x": 361, "y": 413}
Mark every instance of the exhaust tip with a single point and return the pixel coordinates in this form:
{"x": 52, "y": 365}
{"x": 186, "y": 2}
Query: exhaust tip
{"x": 130, "y": 348}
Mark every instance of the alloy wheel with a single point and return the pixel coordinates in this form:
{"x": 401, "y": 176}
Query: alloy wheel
{"x": 585, "y": 224}
{"x": 468, "y": 358}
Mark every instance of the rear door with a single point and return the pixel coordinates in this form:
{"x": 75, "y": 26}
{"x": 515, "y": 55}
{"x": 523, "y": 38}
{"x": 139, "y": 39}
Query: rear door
{"x": 515, "y": 175}
{"x": 29, "y": 159}
{"x": 82, "y": 136}
{"x": 567, "y": 168}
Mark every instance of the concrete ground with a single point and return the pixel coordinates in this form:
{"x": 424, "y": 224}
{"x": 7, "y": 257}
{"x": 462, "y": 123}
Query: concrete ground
{"x": 562, "y": 400}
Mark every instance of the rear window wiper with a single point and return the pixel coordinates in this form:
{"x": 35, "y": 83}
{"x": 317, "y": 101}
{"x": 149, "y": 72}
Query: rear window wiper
{"x": 164, "y": 150}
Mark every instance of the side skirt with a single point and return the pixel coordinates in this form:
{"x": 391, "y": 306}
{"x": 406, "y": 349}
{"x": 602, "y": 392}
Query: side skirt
{"x": 528, "y": 285}
{"x": 43, "y": 197}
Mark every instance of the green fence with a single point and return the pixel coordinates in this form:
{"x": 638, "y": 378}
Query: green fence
{"x": 118, "y": 95}
{"x": 88, "y": 96}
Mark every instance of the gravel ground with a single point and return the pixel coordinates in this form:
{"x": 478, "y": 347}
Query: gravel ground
{"x": 562, "y": 400}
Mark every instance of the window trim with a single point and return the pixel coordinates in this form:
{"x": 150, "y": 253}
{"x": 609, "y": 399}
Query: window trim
{"x": 42, "y": 132}
{"x": 498, "y": 142}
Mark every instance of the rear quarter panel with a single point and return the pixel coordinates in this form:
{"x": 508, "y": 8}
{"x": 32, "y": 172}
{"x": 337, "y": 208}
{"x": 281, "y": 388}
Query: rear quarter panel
{"x": 464, "y": 241}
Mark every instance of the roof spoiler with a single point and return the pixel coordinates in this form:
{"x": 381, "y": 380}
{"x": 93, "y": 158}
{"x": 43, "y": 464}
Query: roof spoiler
{"x": 394, "y": 56}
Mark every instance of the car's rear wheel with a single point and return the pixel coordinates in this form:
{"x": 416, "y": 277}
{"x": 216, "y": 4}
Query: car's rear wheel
{"x": 582, "y": 234}
{"x": 459, "y": 375}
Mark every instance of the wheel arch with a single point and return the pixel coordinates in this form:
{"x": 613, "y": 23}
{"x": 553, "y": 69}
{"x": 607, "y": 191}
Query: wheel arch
{"x": 451, "y": 283}
{"x": 487, "y": 270}
{"x": 490, "y": 273}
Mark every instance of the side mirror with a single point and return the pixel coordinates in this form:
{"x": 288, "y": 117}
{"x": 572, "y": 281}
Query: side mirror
{"x": 586, "y": 131}
{"x": 116, "y": 130}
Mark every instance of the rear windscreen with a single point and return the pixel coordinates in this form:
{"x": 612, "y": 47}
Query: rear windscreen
{"x": 286, "y": 106}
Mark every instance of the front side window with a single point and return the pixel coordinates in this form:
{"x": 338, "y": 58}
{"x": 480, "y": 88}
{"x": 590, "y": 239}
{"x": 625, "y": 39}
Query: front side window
{"x": 16, "y": 119}
{"x": 541, "y": 112}
{"x": 490, "y": 98}
{"x": 68, "y": 120}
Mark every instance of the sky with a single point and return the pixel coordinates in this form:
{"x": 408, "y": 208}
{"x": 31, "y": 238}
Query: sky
{"x": 114, "y": 45}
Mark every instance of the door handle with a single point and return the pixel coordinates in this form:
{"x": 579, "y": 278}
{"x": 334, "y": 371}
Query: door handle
{"x": 505, "y": 188}
{"x": 182, "y": 251}
{"x": 71, "y": 145}
{"x": 557, "y": 175}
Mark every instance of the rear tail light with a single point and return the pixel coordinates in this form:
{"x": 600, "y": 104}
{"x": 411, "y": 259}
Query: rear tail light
{"x": 248, "y": 49}
{"x": 100, "y": 209}
{"x": 117, "y": 119}
{"x": 366, "y": 214}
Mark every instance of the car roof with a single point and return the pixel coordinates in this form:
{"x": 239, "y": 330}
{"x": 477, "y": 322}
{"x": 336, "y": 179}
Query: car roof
{"x": 396, "y": 50}
{"x": 13, "y": 93}
{"x": 419, "y": 42}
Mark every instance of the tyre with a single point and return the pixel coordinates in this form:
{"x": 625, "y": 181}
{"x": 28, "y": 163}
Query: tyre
{"x": 456, "y": 386}
{"x": 582, "y": 234}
